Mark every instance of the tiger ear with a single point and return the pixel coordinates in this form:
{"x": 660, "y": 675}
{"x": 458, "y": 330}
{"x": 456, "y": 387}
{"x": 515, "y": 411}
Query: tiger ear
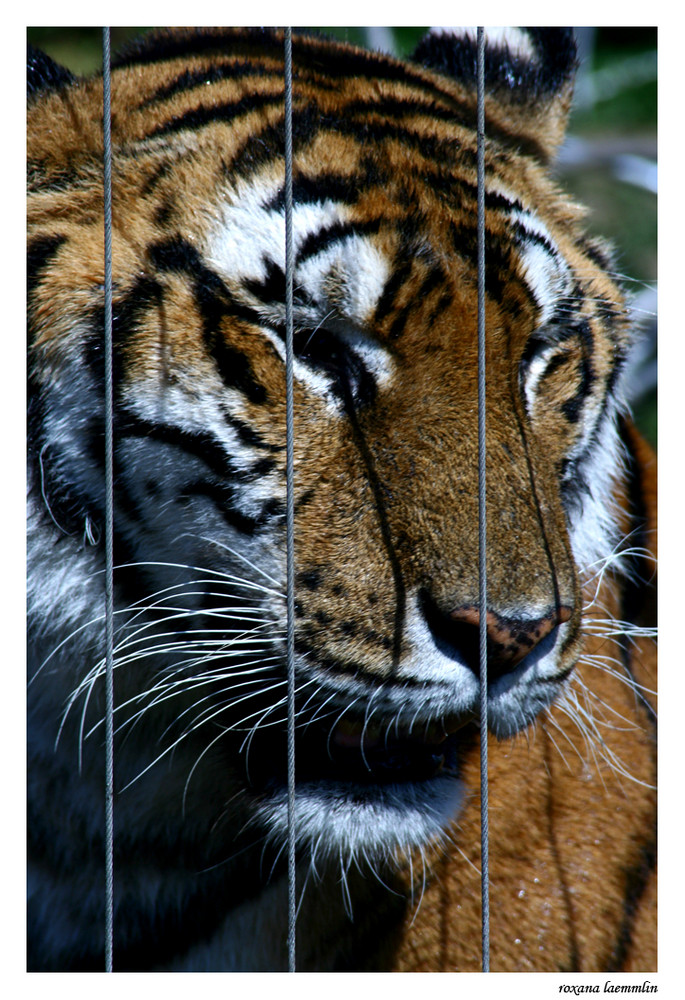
{"x": 528, "y": 71}
{"x": 44, "y": 74}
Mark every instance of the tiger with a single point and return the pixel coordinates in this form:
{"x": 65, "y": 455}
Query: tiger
{"x": 387, "y": 615}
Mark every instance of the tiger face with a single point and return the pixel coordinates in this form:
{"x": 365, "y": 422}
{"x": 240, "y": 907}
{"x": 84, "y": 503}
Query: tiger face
{"x": 385, "y": 409}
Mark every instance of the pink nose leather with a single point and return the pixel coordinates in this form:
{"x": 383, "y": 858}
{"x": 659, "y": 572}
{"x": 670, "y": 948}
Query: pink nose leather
{"x": 509, "y": 639}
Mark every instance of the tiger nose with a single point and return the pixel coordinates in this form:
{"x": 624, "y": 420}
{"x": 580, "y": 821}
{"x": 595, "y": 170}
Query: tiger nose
{"x": 509, "y": 640}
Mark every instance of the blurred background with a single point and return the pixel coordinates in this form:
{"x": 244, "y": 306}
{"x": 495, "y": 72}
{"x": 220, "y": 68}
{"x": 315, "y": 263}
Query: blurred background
{"x": 609, "y": 161}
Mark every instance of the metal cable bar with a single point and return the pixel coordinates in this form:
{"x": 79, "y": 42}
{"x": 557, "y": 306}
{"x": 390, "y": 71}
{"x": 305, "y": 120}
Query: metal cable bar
{"x": 109, "y": 507}
{"x": 290, "y": 477}
{"x": 482, "y": 534}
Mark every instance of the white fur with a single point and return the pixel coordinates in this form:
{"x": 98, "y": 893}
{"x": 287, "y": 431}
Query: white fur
{"x": 343, "y": 282}
{"x": 354, "y": 271}
{"x": 594, "y": 526}
{"x": 542, "y": 266}
{"x": 248, "y": 233}
{"x": 366, "y": 821}
{"x": 513, "y": 39}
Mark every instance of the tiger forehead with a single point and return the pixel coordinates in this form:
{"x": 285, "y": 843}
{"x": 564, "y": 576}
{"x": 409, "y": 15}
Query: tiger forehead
{"x": 349, "y": 251}
{"x": 241, "y": 63}
{"x": 235, "y": 96}
{"x": 384, "y": 185}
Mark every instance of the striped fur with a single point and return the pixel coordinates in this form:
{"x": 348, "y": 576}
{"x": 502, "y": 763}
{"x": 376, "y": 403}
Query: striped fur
{"x": 386, "y": 518}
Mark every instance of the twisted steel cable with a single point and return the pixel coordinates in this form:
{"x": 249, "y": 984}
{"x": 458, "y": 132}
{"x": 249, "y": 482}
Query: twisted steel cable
{"x": 290, "y": 476}
{"x": 109, "y": 506}
{"x": 482, "y": 534}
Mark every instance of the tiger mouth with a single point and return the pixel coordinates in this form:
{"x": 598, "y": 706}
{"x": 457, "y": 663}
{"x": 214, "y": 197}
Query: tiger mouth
{"x": 354, "y": 752}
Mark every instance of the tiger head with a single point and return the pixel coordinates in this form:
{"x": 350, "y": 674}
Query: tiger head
{"x": 386, "y": 540}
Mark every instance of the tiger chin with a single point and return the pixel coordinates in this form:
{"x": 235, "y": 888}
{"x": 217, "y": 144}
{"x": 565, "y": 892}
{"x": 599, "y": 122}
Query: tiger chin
{"x": 387, "y": 612}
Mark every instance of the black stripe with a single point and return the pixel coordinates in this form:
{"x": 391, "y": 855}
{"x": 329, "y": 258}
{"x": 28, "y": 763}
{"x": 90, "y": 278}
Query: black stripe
{"x": 164, "y": 44}
{"x": 144, "y": 294}
{"x": 260, "y": 468}
{"x": 199, "y": 78}
{"x": 573, "y": 407}
{"x": 431, "y": 281}
{"x": 271, "y": 288}
{"x": 404, "y": 107}
{"x": 620, "y": 359}
{"x": 264, "y": 146}
{"x": 158, "y": 174}
{"x": 562, "y": 323}
{"x": 214, "y": 302}
{"x": 440, "y": 150}
{"x": 608, "y": 312}
{"x": 527, "y": 237}
{"x": 428, "y": 146}
{"x": 305, "y": 499}
{"x": 345, "y": 188}
{"x": 267, "y": 145}
{"x": 41, "y": 251}
{"x": 341, "y": 62}
{"x": 309, "y": 121}
{"x": 399, "y": 323}
{"x": 637, "y": 880}
{"x": 333, "y": 61}
{"x": 178, "y": 256}
{"x": 638, "y": 586}
{"x": 462, "y": 193}
{"x": 413, "y": 105}
{"x": 499, "y": 271}
{"x": 249, "y": 436}
{"x": 164, "y": 212}
{"x": 325, "y": 352}
{"x": 555, "y": 362}
{"x": 393, "y": 285}
{"x": 223, "y": 497}
{"x": 201, "y": 446}
{"x": 318, "y": 242}
{"x": 207, "y": 114}
{"x": 598, "y": 252}
{"x": 44, "y": 178}
{"x": 444, "y": 302}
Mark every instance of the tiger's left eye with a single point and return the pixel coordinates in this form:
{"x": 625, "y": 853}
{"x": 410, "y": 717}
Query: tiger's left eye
{"x": 319, "y": 348}
{"x": 329, "y": 354}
